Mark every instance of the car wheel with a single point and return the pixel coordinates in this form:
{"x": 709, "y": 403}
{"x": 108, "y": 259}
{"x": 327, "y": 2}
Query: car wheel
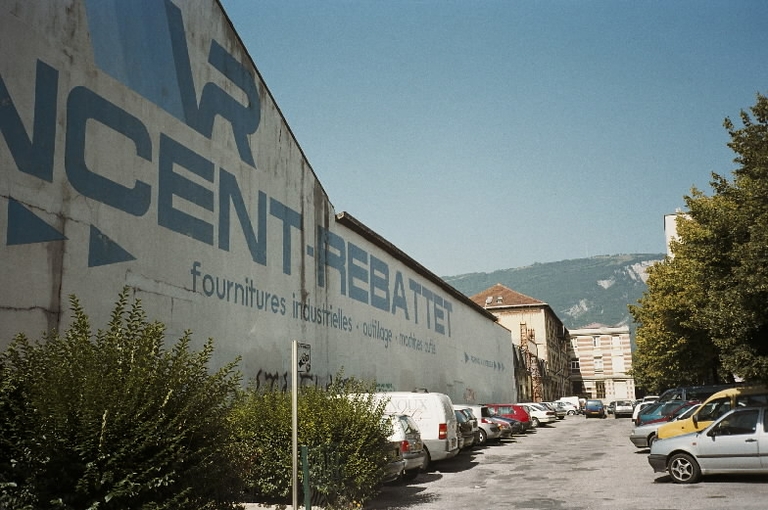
{"x": 483, "y": 438}
{"x": 651, "y": 440}
{"x": 683, "y": 468}
{"x": 410, "y": 475}
{"x": 427, "y": 461}
{"x": 571, "y": 412}
{"x": 534, "y": 422}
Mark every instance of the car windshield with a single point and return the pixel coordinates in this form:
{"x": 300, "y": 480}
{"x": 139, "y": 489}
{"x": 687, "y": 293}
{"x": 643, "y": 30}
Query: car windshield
{"x": 686, "y": 411}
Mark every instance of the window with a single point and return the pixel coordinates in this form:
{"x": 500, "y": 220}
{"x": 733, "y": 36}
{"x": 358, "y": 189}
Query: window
{"x": 751, "y": 400}
{"x": 618, "y": 364}
{"x": 595, "y": 341}
{"x": 575, "y": 366}
{"x": 616, "y": 342}
{"x": 740, "y": 422}
{"x": 600, "y": 389}
{"x": 714, "y": 409}
{"x": 598, "y": 364}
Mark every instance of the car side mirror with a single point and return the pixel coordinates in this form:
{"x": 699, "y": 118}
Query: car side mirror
{"x": 695, "y": 421}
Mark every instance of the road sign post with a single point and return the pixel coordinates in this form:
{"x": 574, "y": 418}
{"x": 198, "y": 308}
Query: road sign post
{"x": 299, "y": 361}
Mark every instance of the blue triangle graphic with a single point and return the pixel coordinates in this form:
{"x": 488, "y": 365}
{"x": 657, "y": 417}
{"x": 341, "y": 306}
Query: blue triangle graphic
{"x": 102, "y": 250}
{"x": 24, "y": 227}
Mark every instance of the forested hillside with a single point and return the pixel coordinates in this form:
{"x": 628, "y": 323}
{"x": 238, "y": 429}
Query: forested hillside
{"x": 580, "y": 291}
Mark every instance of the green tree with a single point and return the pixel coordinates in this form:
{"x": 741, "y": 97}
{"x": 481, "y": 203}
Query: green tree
{"x": 671, "y": 351}
{"x": 712, "y": 297}
{"x": 114, "y": 420}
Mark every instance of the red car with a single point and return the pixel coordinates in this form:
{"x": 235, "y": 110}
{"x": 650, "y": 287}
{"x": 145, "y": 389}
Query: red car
{"x": 514, "y": 411}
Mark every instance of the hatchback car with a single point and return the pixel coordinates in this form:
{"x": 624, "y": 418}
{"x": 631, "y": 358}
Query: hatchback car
{"x": 464, "y": 430}
{"x": 474, "y": 421}
{"x": 560, "y": 412}
{"x": 594, "y": 409}
{"x": 733, "y": 444}
{"x": 514, "y": 411}
{"x": 505, "y": 426}
{"x": 489, "y": 431}
{"x": 406, "y": 434}
{"x": 623, "y": 408}
{"x": 540, "y": 414}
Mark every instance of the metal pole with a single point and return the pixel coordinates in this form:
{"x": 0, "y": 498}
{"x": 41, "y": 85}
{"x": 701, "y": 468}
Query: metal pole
{"x": 305, "y": 471}
{"x": 295, "y": 421}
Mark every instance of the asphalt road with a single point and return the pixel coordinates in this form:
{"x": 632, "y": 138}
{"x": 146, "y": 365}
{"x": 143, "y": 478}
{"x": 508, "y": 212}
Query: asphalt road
{"x": 577, "y": 463}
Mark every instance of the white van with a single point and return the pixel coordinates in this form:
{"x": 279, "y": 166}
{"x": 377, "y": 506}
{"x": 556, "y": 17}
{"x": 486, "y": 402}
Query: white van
{"x": 434, "y": 414}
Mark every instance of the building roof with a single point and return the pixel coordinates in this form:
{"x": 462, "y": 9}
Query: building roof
{"x": 500, "y": 296}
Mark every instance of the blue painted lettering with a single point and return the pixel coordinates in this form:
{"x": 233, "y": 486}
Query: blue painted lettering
{"x": 172, "y": 184}
{"x": 32, "y": 156}
{"x": 83, "y": 105}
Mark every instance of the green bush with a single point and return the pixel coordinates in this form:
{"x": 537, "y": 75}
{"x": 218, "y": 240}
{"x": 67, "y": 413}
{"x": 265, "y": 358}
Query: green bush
{"x": 341, "y": 426}
{"x": 114, "y": 420}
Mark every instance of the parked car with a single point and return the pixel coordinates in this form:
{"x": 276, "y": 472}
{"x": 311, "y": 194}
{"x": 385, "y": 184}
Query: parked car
{"x": 594, "y": 409}
{"x": 433, "y": 413}
{"x": 609, "y": 407}
{"x": 559, "y": 411}
{"x": 714, "y": 407}
{"x": 395, "y": 466}
{"x": 638, "y": 408}
{"x": 700, "y": 393}
{"x": 732, "y": 444}
{"x": 464, "y": 430}
{"x": 644, "y": 435}
{"x": 623, "y": 408}
{"x": 505, "y": 426}
{"x": 540, "y": 414}
{"x": 659, "y": 411}
{"x": 406, "y": 433}
{"x": 514, "y": 411}
{"x": 474, "y": 421}
{"x": 489, "y": 430}
{"x": 570, "y": 409}
{"x": 515, "y": 426}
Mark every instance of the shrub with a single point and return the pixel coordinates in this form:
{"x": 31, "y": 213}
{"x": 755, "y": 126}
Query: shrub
{"x": 115, "y": 421}
{"x": 341, "y": 426}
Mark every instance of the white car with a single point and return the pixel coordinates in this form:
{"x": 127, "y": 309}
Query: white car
{"x": 623, "y": 408}
{"x": 539, "y": 414}
{"x": 489, "y": 430}
{"x": 570, "y": 409}
{"x": 733, "y": 444}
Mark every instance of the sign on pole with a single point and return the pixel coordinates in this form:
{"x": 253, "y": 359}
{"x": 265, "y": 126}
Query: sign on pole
{"x": 301, "y": 359}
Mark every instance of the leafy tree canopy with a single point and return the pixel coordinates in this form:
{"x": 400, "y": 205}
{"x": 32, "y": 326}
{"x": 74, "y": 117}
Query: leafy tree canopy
{"x": 704, "y": 317}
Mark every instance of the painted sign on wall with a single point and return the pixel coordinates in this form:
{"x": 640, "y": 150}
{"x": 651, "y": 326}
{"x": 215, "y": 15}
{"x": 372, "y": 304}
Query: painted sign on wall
{"x": 139, "y": 146}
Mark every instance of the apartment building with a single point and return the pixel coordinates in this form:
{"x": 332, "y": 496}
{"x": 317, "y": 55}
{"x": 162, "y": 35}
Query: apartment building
{"x": 600, "y": 360}
{"x": 539, "y": 337}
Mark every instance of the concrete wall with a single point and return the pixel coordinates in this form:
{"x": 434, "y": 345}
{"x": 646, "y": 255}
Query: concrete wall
{"x": 139, "y": 146}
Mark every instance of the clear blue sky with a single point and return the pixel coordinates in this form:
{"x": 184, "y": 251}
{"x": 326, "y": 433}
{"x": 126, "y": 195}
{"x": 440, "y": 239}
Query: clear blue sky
{"x": 488, "y": 135}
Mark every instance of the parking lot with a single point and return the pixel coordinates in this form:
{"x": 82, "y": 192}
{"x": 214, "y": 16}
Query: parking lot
{"x": 577, "y": 463}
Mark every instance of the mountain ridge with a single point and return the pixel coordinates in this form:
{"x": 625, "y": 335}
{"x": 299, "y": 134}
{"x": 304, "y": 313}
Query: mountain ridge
{"x": 581, "y": 291}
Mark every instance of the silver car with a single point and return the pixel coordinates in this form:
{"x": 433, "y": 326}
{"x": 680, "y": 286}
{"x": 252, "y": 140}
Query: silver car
{"x": 736, "y": 443}
{"x": 406, "y": 434}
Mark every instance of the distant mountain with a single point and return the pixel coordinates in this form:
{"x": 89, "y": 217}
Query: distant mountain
{"x": 580, "y": 291}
